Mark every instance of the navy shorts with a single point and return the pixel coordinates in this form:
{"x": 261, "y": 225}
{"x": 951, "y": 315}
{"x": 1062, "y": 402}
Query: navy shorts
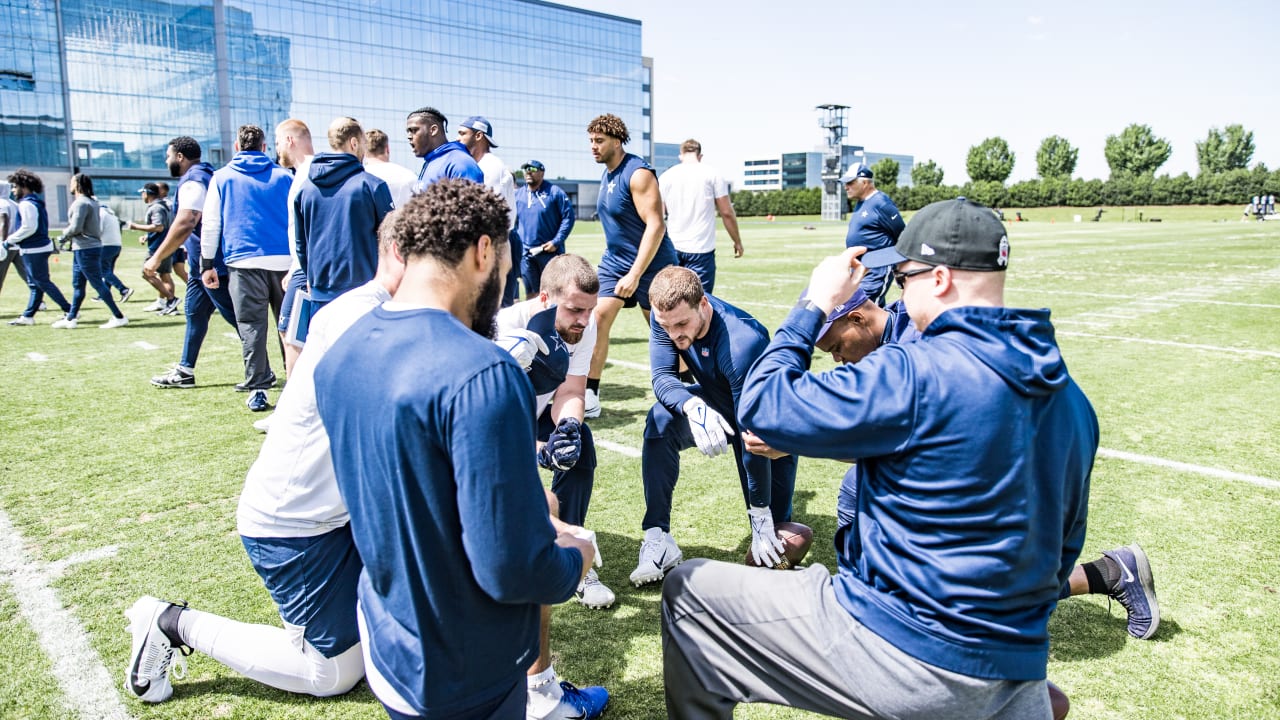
{"x": 297, "y": 281}
{"x": 313, "y": 581}
{"x": 702, "y": 264}
{"x": 609, "y": 280}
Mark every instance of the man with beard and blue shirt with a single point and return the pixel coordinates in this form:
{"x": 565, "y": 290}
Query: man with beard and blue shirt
{"x": 545, "y": 217}
{"x": 974, "y": 449}
{"x": 428, "y": 133}
{"x": 337, "y": 214}
{"x": 447, "y": 509}
{"x": 874, "y": 223}
{"x": 200, "y": 302}
{"x": 718, "y": 342}
{"x": 635, "y": 236}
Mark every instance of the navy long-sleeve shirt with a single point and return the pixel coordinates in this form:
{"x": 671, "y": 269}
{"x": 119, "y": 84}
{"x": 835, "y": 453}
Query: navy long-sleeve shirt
{"x": 446, "y": 506}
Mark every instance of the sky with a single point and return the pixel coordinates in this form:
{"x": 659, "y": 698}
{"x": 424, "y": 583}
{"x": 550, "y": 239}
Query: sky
{"x": 932, "y": 79}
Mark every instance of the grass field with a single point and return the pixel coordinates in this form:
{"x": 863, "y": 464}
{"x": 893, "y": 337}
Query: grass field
{"x": 119, "y": 489}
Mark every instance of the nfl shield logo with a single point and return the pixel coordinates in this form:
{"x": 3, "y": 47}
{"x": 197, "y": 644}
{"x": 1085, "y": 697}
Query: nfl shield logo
{"x": 706, "y": 352}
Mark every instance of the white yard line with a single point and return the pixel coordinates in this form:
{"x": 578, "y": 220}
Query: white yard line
{"x": 1189, "y": 468}
{"x": 37, "y": 357}
{"x": 144, "y": 345}
{"x": 618, "y": 448}
{"x": 1170, "y": 343}
{"x": 629, "y": 365}
{"x": 85, "y": 682}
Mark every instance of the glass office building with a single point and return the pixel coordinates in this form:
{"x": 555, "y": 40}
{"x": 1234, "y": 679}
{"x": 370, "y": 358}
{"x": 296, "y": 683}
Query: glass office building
{"x": 102, "y": 86}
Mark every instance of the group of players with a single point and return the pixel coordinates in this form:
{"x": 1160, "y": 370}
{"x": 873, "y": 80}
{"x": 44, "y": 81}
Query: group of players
{"x": 395, "y": 511}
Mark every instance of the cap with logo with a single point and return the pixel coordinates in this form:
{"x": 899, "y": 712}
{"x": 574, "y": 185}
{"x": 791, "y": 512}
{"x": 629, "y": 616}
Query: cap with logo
{"x": 958, "y": 233}
{"x": 533, "y": 165}
{"x": 854, "y": 302}
{"x": 855, "y": 171}
{"x": 480, "y": 125}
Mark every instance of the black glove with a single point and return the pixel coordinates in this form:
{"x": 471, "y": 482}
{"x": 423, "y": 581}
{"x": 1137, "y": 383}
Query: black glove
{"x": 563, "y": 447}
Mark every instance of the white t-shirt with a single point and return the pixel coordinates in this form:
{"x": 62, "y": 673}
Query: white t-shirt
{"x": 689, "y": 190}
{"x": 517, "y": 317}
{"x": 291, "y": 490}
{"x": 299, "y": 176}
{"x": 399, "y": 179}
{"x": 191, "y": 196}
{"x": 500, "y": 180}
{"x": 110, "y": 226}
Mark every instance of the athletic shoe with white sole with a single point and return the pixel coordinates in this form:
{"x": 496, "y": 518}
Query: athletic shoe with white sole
{"x": 125, "y": 294}
{"x": 154, "y": 652}
{"x": 176, "y": 377}
{"x": 592, "y": 404}
{"x": 1136, "y": 590}
{"x": 593, "y": 593}
{"x": 156, "y": 306}
{"x": 577, "y": 703}
{"x": 65, "y": 323}
{"x": 170, "y": 307}
{"x": 264, "y": 424}
{"x": 658, "y": 555}
{"x": 114, "y": 322}
{"x": 257, "y": 401}
{"x": 23, "y": 320}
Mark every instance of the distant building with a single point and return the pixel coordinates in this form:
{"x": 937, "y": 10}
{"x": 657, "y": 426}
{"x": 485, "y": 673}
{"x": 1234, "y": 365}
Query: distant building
{"x": 804, "y": 169}
{"x": 665, "y": 156}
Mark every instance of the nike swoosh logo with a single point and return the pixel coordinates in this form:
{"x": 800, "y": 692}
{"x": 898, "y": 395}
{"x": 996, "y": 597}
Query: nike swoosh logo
{"x": 895, "y": 217}
{"x": 659, "y": 562}
{"x": 1128, "y": 576}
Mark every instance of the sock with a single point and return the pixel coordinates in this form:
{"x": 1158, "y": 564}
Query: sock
{"x": 593, "y": 384}
{"x": 544, "y": 693}
{"x": 1103, "y": 575}
{"x": 171, "y": 621}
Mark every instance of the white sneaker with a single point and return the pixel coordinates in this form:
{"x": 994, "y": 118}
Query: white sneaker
{"x": 658, "y": 555}
{"x": 114, "y": 322}
{"x": 22, "y": 321}
{"x": 156, "y": 306}
{"x": 65, "y": 324}
{"x": 264, "y": 424}
{"x": 592, "y": 409}
{"x": 593, "y": 593}
{"x": 152, "y": 652}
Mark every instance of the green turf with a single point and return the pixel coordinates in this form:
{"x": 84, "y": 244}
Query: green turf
{"x": 96, "y": 456}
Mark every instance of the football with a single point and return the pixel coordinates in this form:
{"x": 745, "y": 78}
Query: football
{"x": 796, "y": 539}
{"x": 1058, "y": 699}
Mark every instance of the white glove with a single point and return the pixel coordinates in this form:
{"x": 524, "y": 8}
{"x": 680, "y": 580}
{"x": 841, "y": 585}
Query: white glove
{"x": 585, "y": 534}
{"x": 766, "y": 546}
{"x": 708, "y": 427}
{"x": 524, "y": 345}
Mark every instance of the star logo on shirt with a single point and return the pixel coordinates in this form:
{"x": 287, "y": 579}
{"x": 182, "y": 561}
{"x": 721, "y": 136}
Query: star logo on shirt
{"x": 611, "y": 184}
{"x": 865, "y": 214}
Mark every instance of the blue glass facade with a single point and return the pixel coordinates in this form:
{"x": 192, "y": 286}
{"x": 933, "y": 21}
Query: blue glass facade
{"x": 138, "y": 74}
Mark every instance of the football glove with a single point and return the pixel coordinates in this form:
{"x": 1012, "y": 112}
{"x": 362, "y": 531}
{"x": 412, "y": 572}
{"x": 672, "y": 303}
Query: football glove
{"x": 766, "y": 546}
{"x": 708, "y": 427}
{"x": 524, "y": 346}
{"x": 563, "y": 447}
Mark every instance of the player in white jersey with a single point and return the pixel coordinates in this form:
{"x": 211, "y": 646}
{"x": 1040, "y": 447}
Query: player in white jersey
{"x": 692, "y": 194}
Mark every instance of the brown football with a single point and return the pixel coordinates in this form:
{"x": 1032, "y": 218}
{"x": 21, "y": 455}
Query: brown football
{"x": 796, "y": 538}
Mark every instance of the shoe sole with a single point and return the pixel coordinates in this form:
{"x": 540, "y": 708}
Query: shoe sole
{"x": 167, "y": 386}
{"x": 1148, "y": 584}
{"x": 595, "y": 606}
{"x": 658, "y": 577}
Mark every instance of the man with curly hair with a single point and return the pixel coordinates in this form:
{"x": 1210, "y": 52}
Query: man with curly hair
{"x": 636, "y": 242}
{"x": 447, "y": 509}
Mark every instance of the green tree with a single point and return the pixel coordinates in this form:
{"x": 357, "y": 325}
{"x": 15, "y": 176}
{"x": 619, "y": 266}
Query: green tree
{"x": 1223, "y": 150}
{"x": 926, "y": 174}
{"x": 990, "y": 161}
{"x": 1056, "y": 158}
{"x": 886, "y": 172}
{"x": 1136, "y": 151}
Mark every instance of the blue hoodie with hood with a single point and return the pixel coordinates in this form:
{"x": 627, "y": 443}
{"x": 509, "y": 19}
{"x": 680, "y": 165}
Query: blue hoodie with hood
{"x": 338, "y": 212}
{"x": 974, "y": 450}
{"x": 258, "y": 190}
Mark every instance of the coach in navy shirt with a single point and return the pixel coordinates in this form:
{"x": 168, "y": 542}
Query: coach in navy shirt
{"x": 446, "y": 506}
{"x": 874, "y": 223}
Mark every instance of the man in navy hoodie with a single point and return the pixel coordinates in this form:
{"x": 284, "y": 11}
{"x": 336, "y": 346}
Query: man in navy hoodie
{"x": 337, "y": 212}
{"x": 428, "y": 133}
{"x": 246, "y": 216}
{"x": 974, "y": 450}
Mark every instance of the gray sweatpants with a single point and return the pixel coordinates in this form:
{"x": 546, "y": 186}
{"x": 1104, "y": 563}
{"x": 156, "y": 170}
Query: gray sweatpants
{"x": 733, "y": 634}
{"x": 255, "y": 294}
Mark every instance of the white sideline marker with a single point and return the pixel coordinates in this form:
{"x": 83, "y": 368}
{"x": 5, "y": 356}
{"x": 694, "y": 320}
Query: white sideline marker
{"x": 144, "y": 345}
{"x": 1188, "y": 467}
{"x": 85, "y": 682}
{"x": 37, "y": 357}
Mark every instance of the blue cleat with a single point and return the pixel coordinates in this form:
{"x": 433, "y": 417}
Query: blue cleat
{"x": 1136, "y": 590}
{"x": 587, "y": 702}
{"x": 257, "y": 401}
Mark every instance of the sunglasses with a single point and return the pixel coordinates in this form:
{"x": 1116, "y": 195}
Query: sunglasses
{"x": 901, "y": 277}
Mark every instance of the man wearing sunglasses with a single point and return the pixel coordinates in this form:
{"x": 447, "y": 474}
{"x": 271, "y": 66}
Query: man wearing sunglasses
{"x": 874, "y": 223}
{"x": 974, "y": 450}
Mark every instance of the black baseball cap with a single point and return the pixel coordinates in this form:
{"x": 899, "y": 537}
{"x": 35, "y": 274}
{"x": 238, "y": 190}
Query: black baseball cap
{"x": 533, "y": 165}
{"x": 958, "y": 233}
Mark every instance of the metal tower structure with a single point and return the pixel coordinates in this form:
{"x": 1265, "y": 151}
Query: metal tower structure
{"x": 832, "y": 120}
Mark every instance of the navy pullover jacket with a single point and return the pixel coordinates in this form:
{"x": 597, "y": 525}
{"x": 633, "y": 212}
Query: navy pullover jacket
{"x": 338, "y": 212}
{"x": 974, "y": 450}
